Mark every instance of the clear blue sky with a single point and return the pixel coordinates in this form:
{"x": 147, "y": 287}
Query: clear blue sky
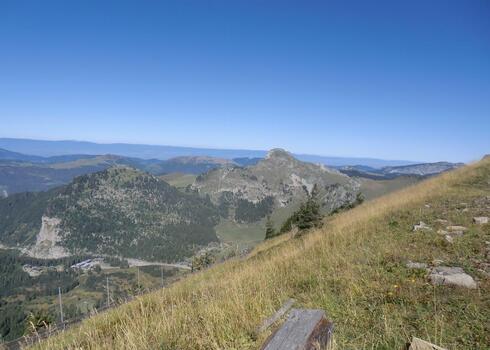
{"x": 387, "y": 79}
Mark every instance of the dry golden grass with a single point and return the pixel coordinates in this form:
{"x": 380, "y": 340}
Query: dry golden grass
{"x": 353, "y": 268}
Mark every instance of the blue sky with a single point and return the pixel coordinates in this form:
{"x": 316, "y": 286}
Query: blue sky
{"x": 386, "y": 79}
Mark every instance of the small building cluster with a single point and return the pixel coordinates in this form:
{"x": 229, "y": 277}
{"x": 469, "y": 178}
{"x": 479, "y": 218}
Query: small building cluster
{"x": 88, "y": 264}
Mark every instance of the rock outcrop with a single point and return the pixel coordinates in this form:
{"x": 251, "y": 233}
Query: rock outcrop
{"x": 421, "y": 226}
{"x": 47, "y": 240}
{"x": 480, "y": 220}
{"x": 444, "y": 275}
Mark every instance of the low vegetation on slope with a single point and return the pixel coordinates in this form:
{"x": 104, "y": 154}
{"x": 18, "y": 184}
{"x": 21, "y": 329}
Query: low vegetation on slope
{"x": 354, "y": 267}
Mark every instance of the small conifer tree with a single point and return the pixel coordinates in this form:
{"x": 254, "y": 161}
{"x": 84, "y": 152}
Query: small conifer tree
{"x": 269, "y": 229}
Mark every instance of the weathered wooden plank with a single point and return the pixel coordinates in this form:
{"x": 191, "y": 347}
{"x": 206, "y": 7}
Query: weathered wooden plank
{"x": 274, "y": 318}
{"x": 303, "y": 330}
{"x": 419, "y": 344}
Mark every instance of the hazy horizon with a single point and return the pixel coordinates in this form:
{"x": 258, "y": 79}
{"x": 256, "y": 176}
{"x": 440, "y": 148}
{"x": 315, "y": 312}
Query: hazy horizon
{"x": 204, "y": 147}
{"x": 49, "y": 148}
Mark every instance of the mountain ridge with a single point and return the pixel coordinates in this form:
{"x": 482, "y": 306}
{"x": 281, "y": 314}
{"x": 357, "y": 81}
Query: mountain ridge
{"x": 419, "y": 169}
{"x": 118, "y": 211}
{"x": 51, "y": 148}
{"x": 21, "y": 173}
{"x": 279, "y": 180}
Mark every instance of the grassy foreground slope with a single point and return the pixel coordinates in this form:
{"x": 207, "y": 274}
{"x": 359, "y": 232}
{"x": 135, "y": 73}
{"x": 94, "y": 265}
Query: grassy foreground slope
{"x": 353, "y": 268}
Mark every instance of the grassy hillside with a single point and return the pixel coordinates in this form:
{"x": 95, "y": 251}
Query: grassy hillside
{"x": 375, "y": 188}
{"x": 354, "y": 268}
{"x": 179, "y": 180}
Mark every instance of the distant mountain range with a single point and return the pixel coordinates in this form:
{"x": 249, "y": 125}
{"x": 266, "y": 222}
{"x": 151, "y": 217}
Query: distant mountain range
{"x": 123, "y": 211}
{"x": 116, "y": 205}
{"x": 20, "y": 172}
{"x": 56, "y": 148}
{"x": 422, "y": 170}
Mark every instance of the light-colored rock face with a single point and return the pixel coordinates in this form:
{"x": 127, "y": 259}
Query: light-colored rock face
{"x": 450, "y": 235}
{"x": 421, "y": 226}
{"x": 47, "y": 240}
{"x": 456, "y": 228}
{"x": 282, "y": 177}
{"x": 444, "y": 275}
{"x": 419, "y": 344}
{"x": 480, "y": 220}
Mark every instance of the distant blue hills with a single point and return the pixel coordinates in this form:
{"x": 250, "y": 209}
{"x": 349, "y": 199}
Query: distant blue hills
{"x": 43, "y": 148}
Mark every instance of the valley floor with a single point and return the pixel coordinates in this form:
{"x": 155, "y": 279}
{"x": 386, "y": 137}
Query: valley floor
{"x": 355, "y": 268}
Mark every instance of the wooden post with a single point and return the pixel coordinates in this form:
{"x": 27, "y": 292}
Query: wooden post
{"x": 274, "y": 318}
{"x": 161, "y": 273}
{"x": 61, "y": 307}
{"x": 303, "y": 330}
{"x": 108, "y": 296}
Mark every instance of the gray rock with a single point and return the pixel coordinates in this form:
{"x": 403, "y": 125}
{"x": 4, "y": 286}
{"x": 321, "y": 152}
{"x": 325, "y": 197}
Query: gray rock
{"x": 450, "y": 235}
{"x": 449, "y": 238}
{"x": 442, "y": 221}
{"x": 421, "y": 226}
{"x": 419, "y": 344}
{"x": 456, "y": 228}
{"x": 480, "y": 220}
{"x": 416, "y": 265}
{"x": 444, "y": 275}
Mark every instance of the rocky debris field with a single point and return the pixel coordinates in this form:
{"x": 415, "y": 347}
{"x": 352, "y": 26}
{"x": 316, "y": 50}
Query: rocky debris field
{"x": 460, "y": 226}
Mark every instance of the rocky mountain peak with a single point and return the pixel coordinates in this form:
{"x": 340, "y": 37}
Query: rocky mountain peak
{"x": 279, "y": 153}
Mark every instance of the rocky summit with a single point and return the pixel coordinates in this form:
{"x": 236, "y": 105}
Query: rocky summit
{"x": 276, "y": 181}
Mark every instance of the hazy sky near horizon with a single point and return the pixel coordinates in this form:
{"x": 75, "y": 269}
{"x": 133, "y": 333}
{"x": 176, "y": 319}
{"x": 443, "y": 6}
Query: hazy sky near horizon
{"x": 385, "y": 79}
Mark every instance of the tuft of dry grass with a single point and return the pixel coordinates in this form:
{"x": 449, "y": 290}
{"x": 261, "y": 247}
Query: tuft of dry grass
{"x": 353, "y": 268}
